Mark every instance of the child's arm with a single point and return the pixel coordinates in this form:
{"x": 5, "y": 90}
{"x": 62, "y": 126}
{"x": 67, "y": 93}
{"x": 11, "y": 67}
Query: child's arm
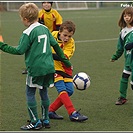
{"x": 8, "y": 49}
{"x": 56, "y": 57}
{"x": 117, "y": 55}
{"x": 119, "y": 51}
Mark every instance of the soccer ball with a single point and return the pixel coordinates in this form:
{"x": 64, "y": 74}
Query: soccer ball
{"x": 81, "y": 81}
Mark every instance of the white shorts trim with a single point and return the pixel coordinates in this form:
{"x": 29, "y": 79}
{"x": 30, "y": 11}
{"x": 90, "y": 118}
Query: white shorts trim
{"x": 30, "y": 84}
{"x": 127, "y": 72}
{"x": 131, "y": 82}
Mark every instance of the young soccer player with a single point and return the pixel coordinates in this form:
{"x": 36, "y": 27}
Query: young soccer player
{"x": 35, "y": 42}
{"x": 63, "y": 75}
{"x": 129, "y": 48}
{"x": 49, "y": 16}
{"x": 126, "y": 25}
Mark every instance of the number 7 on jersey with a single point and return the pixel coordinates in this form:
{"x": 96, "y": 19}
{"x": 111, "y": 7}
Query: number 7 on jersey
{"x": 45, "y": 41}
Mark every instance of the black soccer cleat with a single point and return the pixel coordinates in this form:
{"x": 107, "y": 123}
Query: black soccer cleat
{"x": 45, "y": 123}
{"x": 32, "y": 126}
{"x": 77, "y": 117}
{"x": 53, "y": 115}
{"x": 121, "y": 101}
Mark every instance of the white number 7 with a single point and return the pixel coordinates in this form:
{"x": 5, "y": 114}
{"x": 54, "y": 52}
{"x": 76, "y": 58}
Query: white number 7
{"x": 45, "y": 41}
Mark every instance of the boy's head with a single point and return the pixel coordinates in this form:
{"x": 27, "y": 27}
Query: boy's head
{"x": 29, "y": 12}
{"x": 47, "y": 5}
{"x": 66, "y": 31}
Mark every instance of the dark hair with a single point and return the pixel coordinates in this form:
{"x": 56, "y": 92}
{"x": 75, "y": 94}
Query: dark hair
{"x": 48, "y": 2}
{"x": 127, "y": 10}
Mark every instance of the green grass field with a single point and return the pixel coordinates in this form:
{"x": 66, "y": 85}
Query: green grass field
{"x": 96, "y": 39}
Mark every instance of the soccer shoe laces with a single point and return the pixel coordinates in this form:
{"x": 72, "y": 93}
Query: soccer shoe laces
{"x": 78, "y": 110}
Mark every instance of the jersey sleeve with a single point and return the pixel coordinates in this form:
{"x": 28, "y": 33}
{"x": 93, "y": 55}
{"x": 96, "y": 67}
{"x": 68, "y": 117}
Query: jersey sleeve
{"x": 58, "y": 18}
{"x": 8, "y": 49}
{"x": 120, "y": 49}
{"x": 24, "y": 44}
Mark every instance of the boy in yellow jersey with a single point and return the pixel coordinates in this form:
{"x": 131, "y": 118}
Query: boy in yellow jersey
{"x": 49, "y": 16}
{"x": 63, "y": 76}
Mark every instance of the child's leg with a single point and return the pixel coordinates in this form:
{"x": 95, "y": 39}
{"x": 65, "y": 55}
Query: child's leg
{"x": 31, "y": 103}
{"x": 44, "y": 103}
{"x": 63, "y": 98}
{"x": 45, "y": 106}
{"x": 57, "y": 103}
{"x": 123, "y": 86}
{"x": 69, "y": 88}
{"x": 124, "y": 83}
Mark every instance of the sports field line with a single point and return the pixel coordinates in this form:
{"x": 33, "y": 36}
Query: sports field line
{"x": 98, "y": 40}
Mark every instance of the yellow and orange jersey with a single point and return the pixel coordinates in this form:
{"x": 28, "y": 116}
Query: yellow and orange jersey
{"x": 51, "y": 19}
{"x": 68, "y": 49}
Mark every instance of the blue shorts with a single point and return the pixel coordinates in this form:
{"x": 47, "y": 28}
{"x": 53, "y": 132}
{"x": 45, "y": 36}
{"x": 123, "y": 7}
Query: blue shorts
{"x": 64, "y": 86}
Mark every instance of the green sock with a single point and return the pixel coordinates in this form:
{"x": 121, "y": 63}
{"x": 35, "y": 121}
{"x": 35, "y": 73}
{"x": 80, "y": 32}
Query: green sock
{"x": 45, "y": 108}
{"x": 123, "y": 87}
{"x": 32, "y": 110}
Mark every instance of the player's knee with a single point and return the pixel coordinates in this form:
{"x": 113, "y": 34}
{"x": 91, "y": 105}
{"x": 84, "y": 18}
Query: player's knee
{"x": 125, "y": 75}
{"x": 31, "y": 99}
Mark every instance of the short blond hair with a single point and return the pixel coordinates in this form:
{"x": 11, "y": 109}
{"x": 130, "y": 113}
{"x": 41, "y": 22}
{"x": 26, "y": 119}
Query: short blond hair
{"x": 29, "y": 11}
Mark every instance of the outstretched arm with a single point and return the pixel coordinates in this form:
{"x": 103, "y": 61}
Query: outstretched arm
{"x": 8, "y": 49}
